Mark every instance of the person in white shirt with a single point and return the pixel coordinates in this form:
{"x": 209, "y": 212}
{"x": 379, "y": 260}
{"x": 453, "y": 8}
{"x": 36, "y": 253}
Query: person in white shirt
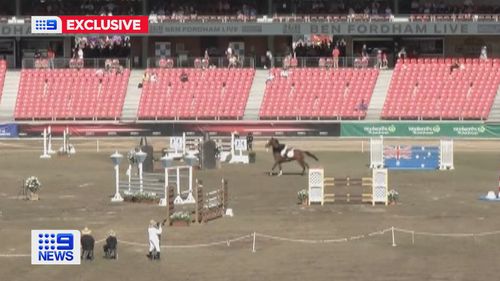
{"x": 484, "y": 53}
{"x": 154, "y": 232}
{"x": 80, "y": 54}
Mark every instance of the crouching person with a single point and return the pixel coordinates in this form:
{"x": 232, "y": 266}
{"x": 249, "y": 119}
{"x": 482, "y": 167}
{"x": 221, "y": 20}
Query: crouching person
{"x": 87, "y": 242}
{"x": 110, "y": 246}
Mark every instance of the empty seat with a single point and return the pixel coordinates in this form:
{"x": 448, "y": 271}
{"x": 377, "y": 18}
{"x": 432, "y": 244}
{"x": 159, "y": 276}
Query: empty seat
{"x": 434, "y": 91}
{"x": 207, "y": 94}
{"x": 70, "y": 94}
{"x": 318, "y": 93}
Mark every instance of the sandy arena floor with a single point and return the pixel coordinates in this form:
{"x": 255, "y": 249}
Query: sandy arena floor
{"x": 76, "y": 193}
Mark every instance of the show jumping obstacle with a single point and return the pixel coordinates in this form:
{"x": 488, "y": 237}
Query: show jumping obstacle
{"x": 66, "y": 148}
{"x": 348, "y": 190}
{"x": 208, "y": 206}
{"x": 377, "y": 156}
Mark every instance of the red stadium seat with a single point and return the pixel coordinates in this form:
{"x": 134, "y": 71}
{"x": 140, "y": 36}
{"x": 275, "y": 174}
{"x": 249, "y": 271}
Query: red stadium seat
{"x": 430, "y": 91}
{"x": 203, "y": 96}
{"x": 70, "y": 94}
{"x": 318, "y": 93}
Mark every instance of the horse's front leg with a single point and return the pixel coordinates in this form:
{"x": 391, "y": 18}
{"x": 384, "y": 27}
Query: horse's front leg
{"x": 272, "y": 169}
{"x": 281, "y": 171}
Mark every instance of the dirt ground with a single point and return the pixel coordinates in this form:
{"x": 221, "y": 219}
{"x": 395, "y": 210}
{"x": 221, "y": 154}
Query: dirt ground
{"x": 76, "y": 193}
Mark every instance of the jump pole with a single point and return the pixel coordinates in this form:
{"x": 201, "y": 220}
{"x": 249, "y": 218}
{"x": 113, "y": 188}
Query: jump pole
{"x": 45, "y": 155}
{"x": 49, "y": 135}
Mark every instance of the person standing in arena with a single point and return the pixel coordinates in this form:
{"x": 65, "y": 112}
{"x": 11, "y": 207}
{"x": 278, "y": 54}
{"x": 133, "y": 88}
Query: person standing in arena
{"x": 154, "y": 232}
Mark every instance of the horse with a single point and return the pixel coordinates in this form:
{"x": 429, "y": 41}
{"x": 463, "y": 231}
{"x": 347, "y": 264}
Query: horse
{"x": 298, "y": 155}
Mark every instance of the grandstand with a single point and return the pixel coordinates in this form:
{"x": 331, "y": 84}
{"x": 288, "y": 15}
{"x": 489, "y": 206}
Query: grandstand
{"x": 306, "y": 93}
{"x": 70, "y": 94}
{"x": 394, "y": 62}
{"x": 207, "y": 94}
{"x": 431, "y": 89}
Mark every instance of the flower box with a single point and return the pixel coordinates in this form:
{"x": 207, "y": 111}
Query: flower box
{"x": 303, "y": 197}
{"x": 180, "y": 223}
{"x": 32, "y": 196}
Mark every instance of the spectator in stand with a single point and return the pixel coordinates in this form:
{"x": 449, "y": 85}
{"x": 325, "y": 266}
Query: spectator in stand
{"x": 402, "y": 53}
{"x": 379, "y": 60}
{"x": 37, "y": 55}
{"x": 233, "y": 62}
{"x": 364, "y": 51}
{"x": 80, "y": 54}
{"x": 362, "y": 106}
{"x": 229, "y": 53}
{"x": 184, "y": 77}
{"x": 153, "y": 78}
{"x": 336, "y": 54}
{"x": 269, "y": 60}
{"x": 484, "y": 53}
{"x": 455, "y": 65}
{"x": 385, "y": 61}
{"x": 50, "y": 55}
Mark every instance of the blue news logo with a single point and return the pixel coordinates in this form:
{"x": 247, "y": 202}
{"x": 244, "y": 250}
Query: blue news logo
{"x": 43, "y": 25}
{"x": 46, "y": 25}
{"x": 55, "y": 247}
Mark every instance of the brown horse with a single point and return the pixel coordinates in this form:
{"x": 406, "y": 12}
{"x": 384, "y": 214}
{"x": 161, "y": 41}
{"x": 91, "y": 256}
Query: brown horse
{"x": 298, "y": 155}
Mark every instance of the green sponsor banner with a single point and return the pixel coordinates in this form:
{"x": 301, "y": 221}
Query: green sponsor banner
{"x": 404, "y": 129}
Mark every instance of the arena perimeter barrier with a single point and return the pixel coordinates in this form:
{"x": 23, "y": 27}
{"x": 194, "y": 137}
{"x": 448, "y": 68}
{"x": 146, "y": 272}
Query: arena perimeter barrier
{"x": 254, "y": 235}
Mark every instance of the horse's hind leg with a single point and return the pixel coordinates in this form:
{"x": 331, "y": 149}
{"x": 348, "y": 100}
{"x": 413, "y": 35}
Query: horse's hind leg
{"x": 281, "y": 171}
{"x": 303, "y": 164}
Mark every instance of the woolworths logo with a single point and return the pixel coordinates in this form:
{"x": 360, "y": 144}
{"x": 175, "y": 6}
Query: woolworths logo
{"x": 469, "y": 130}
{"x": 436, "y": 129}
{"x": 380, "y": 130}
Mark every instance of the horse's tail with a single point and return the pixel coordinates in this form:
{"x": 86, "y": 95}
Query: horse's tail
{"x": 311, "y": 155}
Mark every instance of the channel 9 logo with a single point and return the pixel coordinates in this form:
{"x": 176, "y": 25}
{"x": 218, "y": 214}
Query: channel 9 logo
{"x": 55, "y": 247}
{"x": 44, "y": 25}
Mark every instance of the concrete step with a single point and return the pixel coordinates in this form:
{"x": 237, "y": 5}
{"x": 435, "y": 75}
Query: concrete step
{"x": 379, "y": 95}
{"x": 256, "y": 95}
{"x": 9, "y": 96}
{"x": 133, "y": 96}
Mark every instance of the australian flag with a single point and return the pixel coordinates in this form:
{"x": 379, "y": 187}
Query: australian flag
{"x": 411, "y": 157}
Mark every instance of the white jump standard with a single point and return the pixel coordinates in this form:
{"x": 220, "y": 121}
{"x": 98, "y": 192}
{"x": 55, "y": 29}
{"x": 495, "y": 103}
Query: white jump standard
{"x": 67, "y": 148}
{"x": 238, "y": 146}
{"x": 176, "y": 172}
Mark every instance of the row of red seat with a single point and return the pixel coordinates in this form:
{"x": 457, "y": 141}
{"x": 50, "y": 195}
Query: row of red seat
{"x": 318, "y": 93}
{"x": 207, "y": 94}
{"x": 70, "y": 94}
{"x": 431, "y": 89}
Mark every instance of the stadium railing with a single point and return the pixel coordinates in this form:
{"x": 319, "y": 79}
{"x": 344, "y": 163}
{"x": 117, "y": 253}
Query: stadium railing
{"x": 356, "y": 62}
{"x": 75, "y": 63}
{"x": 198, "y": 62}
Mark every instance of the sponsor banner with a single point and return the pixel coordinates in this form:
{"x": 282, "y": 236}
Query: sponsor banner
{"x": 89, "y": 25}
{"x": 402, "y": 129}
{"x": 260, "y": 29}
{"x": 175, "y": 129}
{"x": 8, "y": 131}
